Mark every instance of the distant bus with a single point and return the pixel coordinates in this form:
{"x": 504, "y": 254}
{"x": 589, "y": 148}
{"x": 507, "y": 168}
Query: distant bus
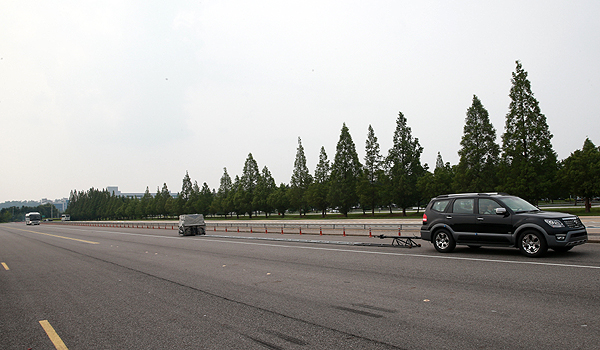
{"x": 33, "y": 218}
{"x": 65, "y": 217}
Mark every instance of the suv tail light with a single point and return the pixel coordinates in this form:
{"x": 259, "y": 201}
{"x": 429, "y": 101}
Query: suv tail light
{"x": 424, "y": 219}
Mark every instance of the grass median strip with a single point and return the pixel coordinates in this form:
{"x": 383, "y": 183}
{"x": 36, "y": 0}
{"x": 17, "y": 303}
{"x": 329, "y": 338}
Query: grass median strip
{"x": 54, "y": 338}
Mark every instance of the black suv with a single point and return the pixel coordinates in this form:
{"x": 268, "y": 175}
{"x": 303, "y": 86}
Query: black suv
{"x": 498, "y": 219}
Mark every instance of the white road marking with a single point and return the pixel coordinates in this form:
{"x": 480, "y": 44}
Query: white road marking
{"x": 207, "y": 238}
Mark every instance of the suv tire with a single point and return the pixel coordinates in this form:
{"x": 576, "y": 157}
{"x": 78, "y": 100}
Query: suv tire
{"x": 443, "y": 241}
{"x": 532, "y": 244}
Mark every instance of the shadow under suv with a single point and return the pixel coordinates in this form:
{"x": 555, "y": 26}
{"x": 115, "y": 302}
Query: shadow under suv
{"x": 498, "y": 219}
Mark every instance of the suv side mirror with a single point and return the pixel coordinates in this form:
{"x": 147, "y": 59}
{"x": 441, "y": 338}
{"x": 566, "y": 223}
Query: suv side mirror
{"x": 501, "y": 211}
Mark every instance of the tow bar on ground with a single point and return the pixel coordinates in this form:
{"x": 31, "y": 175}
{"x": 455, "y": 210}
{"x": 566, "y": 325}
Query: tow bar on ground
{"x": 403, "y": 242}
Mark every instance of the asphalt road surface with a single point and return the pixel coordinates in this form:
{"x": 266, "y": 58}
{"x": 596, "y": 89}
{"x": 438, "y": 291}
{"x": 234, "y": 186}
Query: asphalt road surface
{"x": 69, "y": 287}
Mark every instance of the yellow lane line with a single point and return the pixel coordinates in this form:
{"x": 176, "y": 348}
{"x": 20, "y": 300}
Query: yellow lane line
{"x": 54, "y": 338}
{"x": 5, "y": 266}
{"x": 47, "y": 234}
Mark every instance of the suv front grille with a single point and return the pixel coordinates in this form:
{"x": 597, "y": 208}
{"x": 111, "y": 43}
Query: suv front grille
{"x": 573, "y": 223}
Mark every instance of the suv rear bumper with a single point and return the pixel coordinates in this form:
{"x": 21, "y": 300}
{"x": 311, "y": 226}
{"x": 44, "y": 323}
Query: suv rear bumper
{"x": 426, "y": 235}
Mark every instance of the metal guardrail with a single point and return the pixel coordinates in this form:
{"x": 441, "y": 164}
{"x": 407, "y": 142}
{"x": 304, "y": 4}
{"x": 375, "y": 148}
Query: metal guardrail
{"x": 312, "y": 228}
{"x": 324, "y": 228}
{"x": 331, "y": 226}
{"x": 122, "y": 224}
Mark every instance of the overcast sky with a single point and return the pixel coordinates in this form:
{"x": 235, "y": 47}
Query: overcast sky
{"x": 136, "y": 93}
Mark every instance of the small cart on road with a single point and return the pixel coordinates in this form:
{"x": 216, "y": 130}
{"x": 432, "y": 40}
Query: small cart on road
{"x": 191, "y": 225}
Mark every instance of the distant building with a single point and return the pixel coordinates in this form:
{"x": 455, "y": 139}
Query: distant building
{"x": 60, "y": 204}
{"x": 114, "y": 190}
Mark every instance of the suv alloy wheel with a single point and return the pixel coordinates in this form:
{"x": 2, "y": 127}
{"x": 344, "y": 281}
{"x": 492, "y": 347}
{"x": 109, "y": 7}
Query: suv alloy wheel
{"x": 533, "y": 244}
{"x": 443, "y": 241}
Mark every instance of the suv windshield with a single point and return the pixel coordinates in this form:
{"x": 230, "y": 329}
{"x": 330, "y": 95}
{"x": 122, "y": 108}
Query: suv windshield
{"x": 518, "y": 205}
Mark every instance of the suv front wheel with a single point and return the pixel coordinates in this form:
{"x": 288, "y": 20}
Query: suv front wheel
{"x": 532, "y": 244}
{"x": 443, "y": 241}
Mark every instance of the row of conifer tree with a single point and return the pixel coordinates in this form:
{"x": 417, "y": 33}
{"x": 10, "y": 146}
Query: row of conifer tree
{"x": 525, "y": 165}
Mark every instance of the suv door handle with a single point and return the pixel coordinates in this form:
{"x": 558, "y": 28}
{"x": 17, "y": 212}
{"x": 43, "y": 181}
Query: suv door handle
{"x": 449, "y": 217}
{"x": 480, "y": 218}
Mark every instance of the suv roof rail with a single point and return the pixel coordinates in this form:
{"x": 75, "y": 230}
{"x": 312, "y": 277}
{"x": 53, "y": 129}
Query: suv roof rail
{"x": 472, "y": 194}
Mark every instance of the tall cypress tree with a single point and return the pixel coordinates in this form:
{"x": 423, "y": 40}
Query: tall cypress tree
{"x": 278, "y": 199}
{"x": 442, "y": 176}
{"x": 182, "y": 204}
{"x": 528, "y": 160}
{"x": 368, "y": 190}
{"x": 404, "y": 164}
{"x": 317, "y": 191}
{"x": 323, "y": 167}
{"x": 165, "y": 198}
{"x": 264, "y": 188}
{"x": 248, "y": 183}
{"x": 479, "y": 152}
{"x": 146, "y": 203}
{"x": 205, "y": 199}
{"x": 220, "y": 203}
{"x": 345, "y": 172}
{"x": 193, "y": 204}
{"x": 300, "y": 181}
{"x": 236, "y": 197}
{"x": 186, "y": 187}
{"x": 580, "y": 174}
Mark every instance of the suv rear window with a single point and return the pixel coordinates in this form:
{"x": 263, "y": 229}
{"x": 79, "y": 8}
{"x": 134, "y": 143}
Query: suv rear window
{"x": 440, "y": 205}
{"x": 463, "y": 206}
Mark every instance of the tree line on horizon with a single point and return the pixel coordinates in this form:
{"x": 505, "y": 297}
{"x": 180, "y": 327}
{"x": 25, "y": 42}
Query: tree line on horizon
{"x": 524, "y": 165}
{"x": 17, "y": 213}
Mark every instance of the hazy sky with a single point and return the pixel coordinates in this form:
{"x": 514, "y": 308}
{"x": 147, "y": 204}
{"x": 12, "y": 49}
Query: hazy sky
{"x": 134, "y": 93}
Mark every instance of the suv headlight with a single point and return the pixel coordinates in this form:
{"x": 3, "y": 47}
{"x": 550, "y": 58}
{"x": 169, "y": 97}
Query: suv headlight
{"x": 554, "y": 223}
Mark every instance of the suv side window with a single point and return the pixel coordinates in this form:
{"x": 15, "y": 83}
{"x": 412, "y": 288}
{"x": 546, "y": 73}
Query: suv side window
{"x": 488, "y": 206}
{"x": 440, "y": 206}
{"x": 463, "y": 206}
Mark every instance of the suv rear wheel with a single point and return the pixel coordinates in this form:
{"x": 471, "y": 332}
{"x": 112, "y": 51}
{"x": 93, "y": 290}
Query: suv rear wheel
{"x": 532, "y": 244}
{"x": 443, "y": 241}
